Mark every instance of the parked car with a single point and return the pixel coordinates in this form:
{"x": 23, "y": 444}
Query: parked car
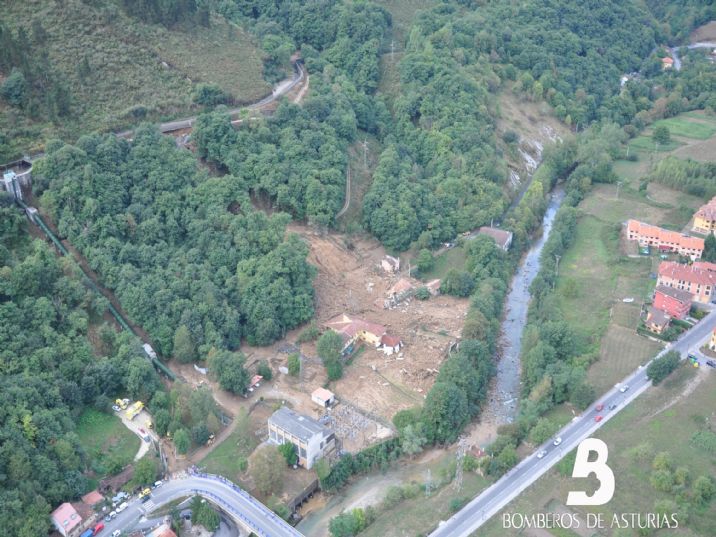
{"x": 612, "y": 406}
{"x": 598, "y": 418}
{"x": 116, "y": 408}
{"x": 624, "y": 388}
{"x": 599, "y": 407}
{"x": 541, "y": 453}
{"x": 145, "y": 492}
{"x": 157, "y": 484}
{"x": 116, "y": 533}
{"x": 99, "y": 527}
{"x": 122, "y": 507}
{"x": 557, "y": 441}
{"x": 710, "y": 363}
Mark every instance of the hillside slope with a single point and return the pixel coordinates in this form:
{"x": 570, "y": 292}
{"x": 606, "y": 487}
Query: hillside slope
{"x": 116, "y": 69}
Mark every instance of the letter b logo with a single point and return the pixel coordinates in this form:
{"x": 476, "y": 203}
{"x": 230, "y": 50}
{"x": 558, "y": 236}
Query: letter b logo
{"x": 582, "y": 468}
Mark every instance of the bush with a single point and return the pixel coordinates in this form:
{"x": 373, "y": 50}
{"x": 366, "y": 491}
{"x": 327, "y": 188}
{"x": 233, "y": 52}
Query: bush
{"x": 264, "y": 370}
{"x": 510, "y": 137}
{"x": 309, "y": 334}
{"x": 294, "y": 364}
{"x": 288, "y": 451}
{"x": 660, "y": 368}
{"x": 211, "y": 95}
{"x": 422, "y": 293}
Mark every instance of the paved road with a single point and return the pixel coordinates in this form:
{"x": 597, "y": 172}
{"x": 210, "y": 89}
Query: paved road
{"x": 675, "y": 52}
{"x": 232, "y": 500}
{"x": 284, "y": 87}
{"x": 495, "y": 498}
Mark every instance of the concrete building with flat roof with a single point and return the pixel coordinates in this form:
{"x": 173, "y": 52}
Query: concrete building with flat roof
{"x": 312, "y": 439}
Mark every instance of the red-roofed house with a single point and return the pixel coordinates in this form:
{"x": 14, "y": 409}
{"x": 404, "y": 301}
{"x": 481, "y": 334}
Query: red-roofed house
{"x": 704, "y": 265}
{"x": 700, "y": 283}
{"x": 667, "y": 62}
{"x": 675, "y": 302}
{"x": 705, "y": 218}
{"x": 66, "y": 519}
{"x": 92, "y": 498}
{"x": 390, "y": 344}
{"x": 353, "y": 329}
{"x": 162, "y": 531}
{"x": 665, "y": 240}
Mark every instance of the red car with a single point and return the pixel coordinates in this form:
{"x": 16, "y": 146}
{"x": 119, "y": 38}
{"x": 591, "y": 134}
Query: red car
{"x": 597, "y": 418}
{"x": 99, "y": 527}
{"x": 600, "y": 407}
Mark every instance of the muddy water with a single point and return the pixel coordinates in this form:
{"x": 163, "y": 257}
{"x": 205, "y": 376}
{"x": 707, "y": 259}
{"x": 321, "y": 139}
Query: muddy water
{"x": 505, "y": 392}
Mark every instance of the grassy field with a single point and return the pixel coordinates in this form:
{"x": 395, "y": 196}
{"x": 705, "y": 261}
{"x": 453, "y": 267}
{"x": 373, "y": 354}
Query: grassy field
{"x": 646, "y": 143}
{"x": 453, "y": 258}
{"x": 229, "y": 458}
{"x": 135, "y": 68}
{"x": 109, "y": 444}
{"x": 681, "y": 407}
{"x": 698, "y": 127}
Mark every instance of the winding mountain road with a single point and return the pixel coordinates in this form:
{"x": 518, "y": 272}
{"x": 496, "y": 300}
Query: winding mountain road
{"x": 299, "y": 76}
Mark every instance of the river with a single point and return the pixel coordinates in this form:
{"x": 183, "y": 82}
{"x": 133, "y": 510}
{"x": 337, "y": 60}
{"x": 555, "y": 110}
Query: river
{"x": 505, "y": 392}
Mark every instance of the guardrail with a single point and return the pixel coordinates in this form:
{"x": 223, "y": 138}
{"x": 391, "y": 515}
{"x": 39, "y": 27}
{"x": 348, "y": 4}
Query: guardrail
{"x": 266, "y": 511}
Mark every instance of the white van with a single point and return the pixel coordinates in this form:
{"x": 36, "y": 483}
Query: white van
{"x": 122, "y": 507}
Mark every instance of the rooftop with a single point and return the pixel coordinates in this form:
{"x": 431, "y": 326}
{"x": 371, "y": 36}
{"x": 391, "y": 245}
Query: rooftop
{"x": 501, "y": 236}
{"x": 390, "y": 341}
{"x": 323, "y": 394}
{"x": 92, "y": 498}
{"x": 348, "y": 327}
{"x": 657, "y": 317}
{"x": 686, "y": 273}
{"x": 665, "y": 235}
{"x": 708, "y": 211}
{"x": 66, "y": 516}
{"x": 300, "y": 426}
{"x": 673, "y": 292}
{"x": 401, "y": 286}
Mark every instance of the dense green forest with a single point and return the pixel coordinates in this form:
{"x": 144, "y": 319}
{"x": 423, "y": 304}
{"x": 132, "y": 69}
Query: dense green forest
{"x": 49, "y": 373}
{"x": 186, "y": 254}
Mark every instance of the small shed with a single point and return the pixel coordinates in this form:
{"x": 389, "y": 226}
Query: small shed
{"x": 323, "y": 398}
{"x": 390, "y": 344}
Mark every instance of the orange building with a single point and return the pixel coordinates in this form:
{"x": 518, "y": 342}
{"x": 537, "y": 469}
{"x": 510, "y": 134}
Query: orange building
{"x": 665, "y": 240}
{"x": 675, "y": 302}
{"x": 699, "y": 282}
{"x": 705, "y": 218}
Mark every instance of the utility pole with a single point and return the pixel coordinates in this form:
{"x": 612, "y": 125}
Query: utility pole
{"x": 392, "y": 50}
{"x": 428, "y": 484}
{"x": 619, "y": 183}
{"x": 365, "y": 153}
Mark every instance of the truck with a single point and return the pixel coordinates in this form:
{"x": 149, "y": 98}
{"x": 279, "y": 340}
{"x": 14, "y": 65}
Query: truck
{"x": 135, "y": 409}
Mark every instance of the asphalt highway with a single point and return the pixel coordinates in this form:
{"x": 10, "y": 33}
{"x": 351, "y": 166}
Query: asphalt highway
{"x": 232, "y": 500}
{"x": 496, "y": 497}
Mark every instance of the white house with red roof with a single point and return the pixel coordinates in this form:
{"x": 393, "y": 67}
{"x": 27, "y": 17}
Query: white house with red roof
{"x": 66, "y": 519}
